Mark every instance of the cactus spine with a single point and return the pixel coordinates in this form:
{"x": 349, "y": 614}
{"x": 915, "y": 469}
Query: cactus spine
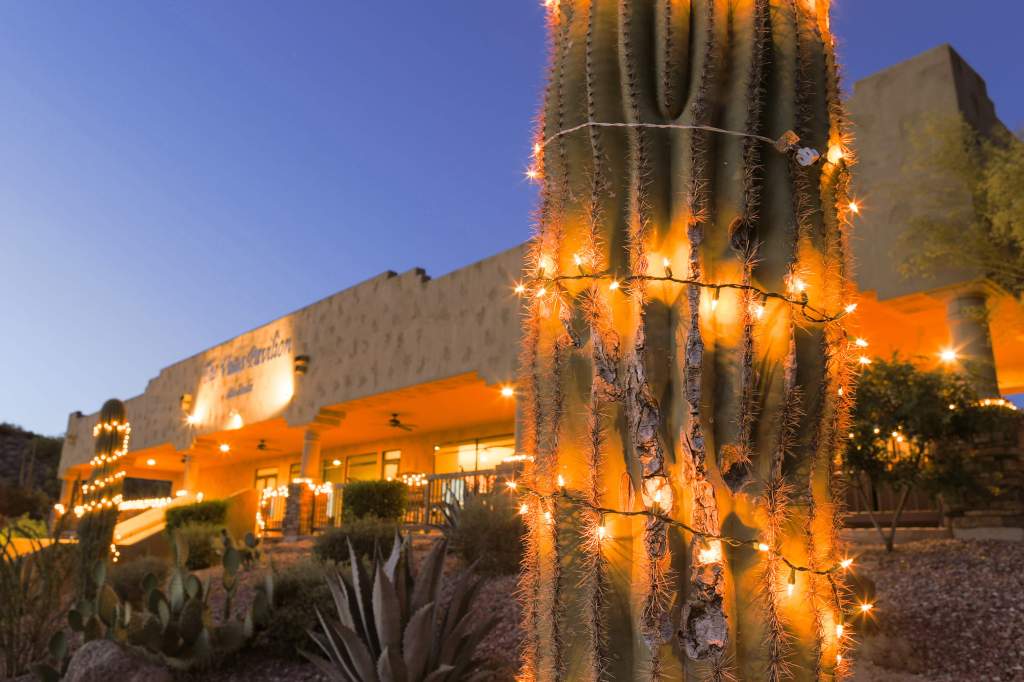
{"x": 709, "y": 401}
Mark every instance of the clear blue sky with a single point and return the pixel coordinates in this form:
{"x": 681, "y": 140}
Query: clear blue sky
{"x": 174, "y": 173}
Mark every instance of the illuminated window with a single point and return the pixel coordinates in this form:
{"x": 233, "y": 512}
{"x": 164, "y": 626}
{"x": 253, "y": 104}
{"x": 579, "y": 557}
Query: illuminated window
{"x": 361, "y": 468}
{"x": 392, "y": 458}
{"x": 334, "y": 469}
{"x": 294, "y": 471}
{"x": 473, "y": 455}
{"x": 266, "y": 478}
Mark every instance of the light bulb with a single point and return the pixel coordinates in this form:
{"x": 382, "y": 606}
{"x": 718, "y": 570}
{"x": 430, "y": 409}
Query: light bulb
{"x": 850, "y": 308}
{"x": 614, "y": 285}
{"x": 846, "y": 563}
{"x": 854, "y": 207}
{"x": 507, "y": 391}
{"x": 602, "y": 532}
{"x": 511, "y": 485}
{"x": 835, "y": 154}
{"x": 224, "y": 447}
{"x": 864, "y": 360}
{"x": 762, "y": 547}
{"x": 864, "y": 608}
{"x": 948, "y": 355}
{"x": 861, "y": 343}
{"x": 561, "y": 481}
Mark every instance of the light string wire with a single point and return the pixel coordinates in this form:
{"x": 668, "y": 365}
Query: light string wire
{"x": 732, "y": 541}
{"x": 673, "y": 126}
{"x": 809, "y": 312}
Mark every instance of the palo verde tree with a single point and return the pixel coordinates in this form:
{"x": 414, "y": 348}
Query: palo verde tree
{"x": 101, "y": 494}
{"x": 685, "y": 374}
{"x": 913, "y": 428}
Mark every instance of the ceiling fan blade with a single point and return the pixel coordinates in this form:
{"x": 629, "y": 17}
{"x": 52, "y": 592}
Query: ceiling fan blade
{"x": 407, "y": 427}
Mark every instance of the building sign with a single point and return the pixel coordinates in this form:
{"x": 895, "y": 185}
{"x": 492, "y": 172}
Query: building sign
{"x": 253, "y": 357}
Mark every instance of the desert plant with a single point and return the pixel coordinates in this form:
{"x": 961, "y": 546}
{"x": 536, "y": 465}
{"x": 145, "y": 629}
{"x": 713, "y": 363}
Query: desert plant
{"x": 364, "y": 534}
{"x": 685, "y": 369}
{"x": 391, "y": 625}
{"x": 487, "y": 530}
{"x": 128, "y": 577}
{"x": 214, "y": 512}
{"x": 202, "y": 540}
{"x": 35, "y": 588}
{"x": 299, "y": 589}
{"x": 383, "y": 499}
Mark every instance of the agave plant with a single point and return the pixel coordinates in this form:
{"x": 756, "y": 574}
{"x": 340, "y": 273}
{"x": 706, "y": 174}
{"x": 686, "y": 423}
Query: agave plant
{"x": 392, "y": 627}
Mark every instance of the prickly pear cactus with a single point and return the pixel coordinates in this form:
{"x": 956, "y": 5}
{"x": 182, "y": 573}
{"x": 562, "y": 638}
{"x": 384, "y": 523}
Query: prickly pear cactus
{"x": 685, "y": 376}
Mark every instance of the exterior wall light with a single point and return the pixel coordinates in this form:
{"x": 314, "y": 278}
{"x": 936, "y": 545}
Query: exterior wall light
{"x": 508, "y": 391}
{"x": 224, "y": 447}
{"x": 151, "y": 462}
{"x": 301, "y": 364}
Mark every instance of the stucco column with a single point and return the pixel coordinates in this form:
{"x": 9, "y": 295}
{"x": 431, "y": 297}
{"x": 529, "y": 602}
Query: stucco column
{"x": 969, "y": 335}
{"x": 190, "y": 478}
{"x": 310, "y": 467}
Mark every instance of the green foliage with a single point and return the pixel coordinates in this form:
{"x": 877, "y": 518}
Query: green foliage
{"x": 487, "y": 531}
{"x": 17, "y": 501}
{"x": 391, "y": 624}
{"x": 36, "y": 585}
{"x": 365, "y": 534}
{"x": 971, "y": 209}
{"x": 299, "y": 588}
{"x": 201, "y": 539}
{"x": 208, "y": 511}
{"x": 383, "y": 499}
{"x": 913, "y": 427}
{"x": 27, "y": 527}
{"x": 128, "y": 577}
{"x": 174, "y": 625}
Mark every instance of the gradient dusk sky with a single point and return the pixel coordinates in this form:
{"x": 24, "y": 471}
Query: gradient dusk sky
{"x": 175, "y": 173}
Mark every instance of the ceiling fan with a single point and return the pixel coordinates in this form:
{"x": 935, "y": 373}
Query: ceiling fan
{"x": 263, "y": 447}
{"x": 397, "y": 423}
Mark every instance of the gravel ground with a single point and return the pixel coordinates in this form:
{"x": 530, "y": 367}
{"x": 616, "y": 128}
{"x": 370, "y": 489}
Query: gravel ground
{"x": 949, "y": 610}
{"x": 946, "y": 610}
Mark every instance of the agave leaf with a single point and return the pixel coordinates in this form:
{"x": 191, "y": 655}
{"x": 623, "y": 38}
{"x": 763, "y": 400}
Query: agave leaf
{"x": 343, "y": 603}
{"x": 358, "y": 653}
{"x": 390, "y": 666}
{"x": 180, "y": 546}
{"x": 464, "y": 655}
{"x": 230, "y": 636}
{"x": 452, "y": 641}
{"x": 440, "y": 674}
{"x": 417, "y": 641}
{"x": 170, "y": 641}
{"x": 99, "y": 573}
{"x": 428, "y": 581}
{"x": 324, "y": 666}
{"x": 163, "y": 609}
{"x": 106, "y": 605}
{"x": 387, "y": 614}
{"x": 150, "y": 635}
{"x": 363, "y": 591}
{"x": 462, "y": 599}
{"x": 176, "y": 592}
{"x": 396, "y": 553}
{"x": 331, "y": 643}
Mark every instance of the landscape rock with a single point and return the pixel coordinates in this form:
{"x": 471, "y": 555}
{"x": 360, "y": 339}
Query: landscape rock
{"x": 104, "y": 661}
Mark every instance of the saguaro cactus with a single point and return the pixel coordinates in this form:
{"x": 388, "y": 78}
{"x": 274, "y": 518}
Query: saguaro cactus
{"x": 101, "y": 495}
{"x": 685, "y": 375}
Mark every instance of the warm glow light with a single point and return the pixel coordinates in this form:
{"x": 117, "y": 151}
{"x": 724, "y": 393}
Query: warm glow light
{"x": 511, "y": 485}
{"x": 846, "y": 563}
{"x": 536, "y": 149}
{"x": 948, "y": 355}
{"x": 762, "y": 547}
{"x": 839, "y": 630}
{"x": 508, "y": 391}
{"x": 602, "y": 532}
{"x": 336, "y": 462}
{"x": 854, "y": 207}
{"x": 547, "y": 517}
{"x": 561, "y": 481}
{"x": 235, "y": 421}
{"x": 789, "y": 589}
{"x": 224, "y": 447}
{"x": 877, "y": 430}
{"x": 192, "y": 420}
{"x": 520, "y": 288}
{"x": 952, "y": 406}
{"x": 576, "y": 259}
{"x": 714, "y": 304}
{"x": 835, "y": 154}
{"x": 665, "y": 262}
{"x": 524, "y": 509}
{"x": 850, "y": 308}
{"x": 758, "y": 311}
{"x": 614, "y": 285}
{"x": 712, "y": 554}
{"x": 864, "y": 360}
{"x": 861, "y": 343}
{"x": 864, "y": 608}
{"x": 532, "y": 173}
{"x": 541, "y": 292}
{"x": 151, "y": 462}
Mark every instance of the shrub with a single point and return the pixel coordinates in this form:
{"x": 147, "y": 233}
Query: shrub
{"x": 207, "y": 511}
{"x": 383, "y": 499}
{"x": 35, "y": 590}
{"x": 488, "y": 530}
{"x": 17, "y": 501}
{"x": 299, "y": 589}
{"x": 364, "y": 533}
{"x": 126, "y": 577}
{"x": 202, "y": 539}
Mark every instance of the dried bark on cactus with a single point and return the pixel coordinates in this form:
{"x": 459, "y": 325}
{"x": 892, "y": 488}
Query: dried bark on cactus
{"x": 670, "y": 369}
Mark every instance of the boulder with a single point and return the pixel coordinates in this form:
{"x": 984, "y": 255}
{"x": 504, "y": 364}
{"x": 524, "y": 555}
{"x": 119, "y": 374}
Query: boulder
{"x": 102, "y": 660}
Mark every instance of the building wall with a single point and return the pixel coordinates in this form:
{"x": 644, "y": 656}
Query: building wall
{"x": 884, "y": 108}
{"x": 384, "y": 334}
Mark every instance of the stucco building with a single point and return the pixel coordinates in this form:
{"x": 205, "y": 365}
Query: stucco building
{"x": 407, "y": 374}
